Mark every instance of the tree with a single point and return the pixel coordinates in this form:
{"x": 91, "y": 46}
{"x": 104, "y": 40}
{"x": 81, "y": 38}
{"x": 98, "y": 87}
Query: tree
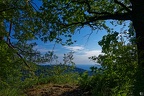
{"x": 54, "y": 18}
{"x": 118, "y": 66}
{"x": 22, "y": 22}
{"x": 73, "y": 14}
{"x": 18, "y": 25}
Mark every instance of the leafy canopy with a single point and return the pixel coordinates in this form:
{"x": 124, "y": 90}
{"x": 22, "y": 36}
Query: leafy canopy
{"x": 23, "y": 21}
{"x": 118, "y": 66}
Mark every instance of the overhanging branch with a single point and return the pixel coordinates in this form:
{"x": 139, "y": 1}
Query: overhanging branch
{"x": 117, "y": 16}
{"x": 12, "y": 47}
{"x": 121, "y": 4}
{"x": 101, "y": 15}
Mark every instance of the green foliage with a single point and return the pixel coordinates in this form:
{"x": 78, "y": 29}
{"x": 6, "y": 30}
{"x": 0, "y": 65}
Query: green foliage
{"x": 10, "y": 68}
{"x": 107, "y": 41}
{"x": 68, "y": 78}
{"x": 85, "y": 81}
{"x": 59, "y": 74}
{"x": 28, "y": 83}
{"x": 119, "y": 62}
{"x": 53, "y": 76}
{"x": 11, "y": 92}
{"x": 22, "y": 21}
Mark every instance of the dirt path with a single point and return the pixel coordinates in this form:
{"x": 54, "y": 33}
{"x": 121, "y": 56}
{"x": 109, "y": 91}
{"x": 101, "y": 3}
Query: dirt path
{"x": 56, "y": 90}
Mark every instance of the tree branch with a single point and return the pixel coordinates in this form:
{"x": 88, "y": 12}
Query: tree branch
{"x": 11, "y": 46}
{"x": 1, "y": 38}
{"x": 121, "y": 4}
{"x": 10, "y": 28}
{"x": 103, "y": 15}
{"x": 117, "y": 16}
{"x": 33, "y": 6}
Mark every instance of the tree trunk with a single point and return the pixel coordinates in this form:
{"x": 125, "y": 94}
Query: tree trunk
{"x": 138, "y": 23}
{"x": 1, "y": 38}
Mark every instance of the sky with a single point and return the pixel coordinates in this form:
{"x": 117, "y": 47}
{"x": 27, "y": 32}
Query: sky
{"x": 86, "y": 45}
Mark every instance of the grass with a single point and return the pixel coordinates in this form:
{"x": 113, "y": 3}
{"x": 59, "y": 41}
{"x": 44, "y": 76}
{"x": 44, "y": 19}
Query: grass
{"x": 20, "y": 88}
{"x": 12, "y": 92}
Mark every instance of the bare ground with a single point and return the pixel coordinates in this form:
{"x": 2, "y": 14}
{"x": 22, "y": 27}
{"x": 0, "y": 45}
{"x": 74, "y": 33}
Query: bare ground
{"x": 56, "y": 90}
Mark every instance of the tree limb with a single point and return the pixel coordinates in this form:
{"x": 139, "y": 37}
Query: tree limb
{"x": 11, "y": 46}
{"x": 118, "y": 16}
{"x": 121, "y": 4}
{"x": 103, "y": 15}
{"x": 1, "y": 38}
{"x": 10, "y": 28}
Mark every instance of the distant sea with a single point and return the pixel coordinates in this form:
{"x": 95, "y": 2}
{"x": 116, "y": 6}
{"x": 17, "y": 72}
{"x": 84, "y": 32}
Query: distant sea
{"x": 87, "y": 66}
{"x": 83, "y": 66}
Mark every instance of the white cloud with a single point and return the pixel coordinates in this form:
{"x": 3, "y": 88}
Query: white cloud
{"x": 92, "y": 53}
{"x": 83, "y": 57}
{"x": 81, "y": 54}
{"x": 74, "y": 48}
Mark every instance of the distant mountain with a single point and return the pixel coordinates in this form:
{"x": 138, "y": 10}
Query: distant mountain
{"x": 48, "y": 69}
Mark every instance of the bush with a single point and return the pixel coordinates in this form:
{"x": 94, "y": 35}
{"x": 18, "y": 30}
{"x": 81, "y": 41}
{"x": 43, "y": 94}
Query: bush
{"x": 11, "y": 92}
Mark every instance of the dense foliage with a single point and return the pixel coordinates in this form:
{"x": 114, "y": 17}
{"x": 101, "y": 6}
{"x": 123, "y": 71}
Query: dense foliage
{"x": 119, "y": 66}
{"x": 24, "y": 21}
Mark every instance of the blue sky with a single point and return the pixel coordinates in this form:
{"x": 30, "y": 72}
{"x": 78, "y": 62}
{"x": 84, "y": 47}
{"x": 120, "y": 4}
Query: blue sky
{"x": 86, "y": 45}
